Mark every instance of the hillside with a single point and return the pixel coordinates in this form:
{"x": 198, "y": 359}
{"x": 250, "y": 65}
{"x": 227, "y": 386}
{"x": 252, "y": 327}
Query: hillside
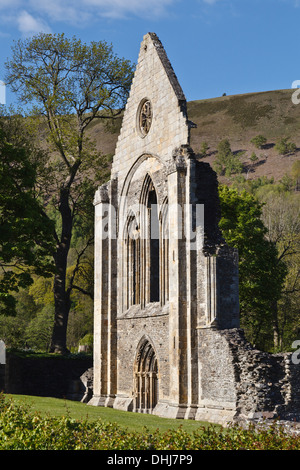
{"x": 238, "y": 118}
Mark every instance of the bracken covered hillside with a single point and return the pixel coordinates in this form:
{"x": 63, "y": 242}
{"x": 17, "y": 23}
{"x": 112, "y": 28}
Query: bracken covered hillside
{"x": 237, "y": 118}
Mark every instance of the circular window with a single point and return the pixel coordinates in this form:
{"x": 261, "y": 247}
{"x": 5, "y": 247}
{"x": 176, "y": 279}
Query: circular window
{"x": 145, "y": 117}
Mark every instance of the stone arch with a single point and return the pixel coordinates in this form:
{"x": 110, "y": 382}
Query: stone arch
{"x": 131, "y": 173}
{"x": 145, "y": 377}
{"x": 143, "y": 196}
{"x": 132, "y": 260}
{"x": 151, "y": 231}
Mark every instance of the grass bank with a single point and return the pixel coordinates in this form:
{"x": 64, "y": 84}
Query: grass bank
{"x": 24, "y": 428}
{"x": 56, "y": 407}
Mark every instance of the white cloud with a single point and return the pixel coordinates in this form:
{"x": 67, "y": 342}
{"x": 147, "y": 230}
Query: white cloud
{"x": 34, "y": 16}
{"x": 8, "y": 4}
{"x": 82, "y": 11}
{"x": 68, "y": 11}
{"x": 29, "y": 25}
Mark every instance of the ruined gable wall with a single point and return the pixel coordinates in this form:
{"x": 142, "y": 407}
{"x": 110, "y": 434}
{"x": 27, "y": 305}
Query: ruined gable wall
{"x": 169, "y": 127}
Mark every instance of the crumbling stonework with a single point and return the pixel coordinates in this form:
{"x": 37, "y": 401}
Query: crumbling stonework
{"x": 166, "y": 332}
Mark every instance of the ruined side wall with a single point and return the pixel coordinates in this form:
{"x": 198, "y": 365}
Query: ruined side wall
{"x": 253, "y": 383}
{"x": 259, "y": 377}
{"x": 217, "y": 379}
{"x": 291, "y": 386}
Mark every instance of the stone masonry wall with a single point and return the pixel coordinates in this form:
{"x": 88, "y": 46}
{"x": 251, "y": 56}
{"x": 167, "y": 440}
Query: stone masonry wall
{"x": 267, "y": 385}
{"x": 238, "y": 382}
{"x": 130, "y": 332}
{"x": 216, "y": 374}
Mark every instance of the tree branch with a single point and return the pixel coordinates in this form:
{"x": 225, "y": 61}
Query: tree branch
{"x": 83, "y": 291}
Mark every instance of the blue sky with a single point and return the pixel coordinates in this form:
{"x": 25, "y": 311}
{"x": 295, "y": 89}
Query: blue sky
{"x": 215, "y": 46}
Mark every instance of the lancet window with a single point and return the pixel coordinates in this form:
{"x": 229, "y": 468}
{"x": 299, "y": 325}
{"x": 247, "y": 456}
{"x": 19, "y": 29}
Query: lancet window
{"x": 133, "y": 259}
{"x": 147, "y": 251}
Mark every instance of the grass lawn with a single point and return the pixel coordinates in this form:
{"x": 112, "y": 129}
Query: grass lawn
{"x": 82, "y": 411}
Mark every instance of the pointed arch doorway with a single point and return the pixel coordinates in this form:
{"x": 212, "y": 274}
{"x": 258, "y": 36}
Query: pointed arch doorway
{"x": 145, "y": 378}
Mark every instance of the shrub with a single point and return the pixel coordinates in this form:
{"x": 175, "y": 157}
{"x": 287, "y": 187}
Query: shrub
{"x": 226, "y": 161}
{"x": 203, "y": 149}
{"x": 253, "y": 157}
{"x": 87, "y": 342}
{"x": 284, "y": 147}
{"x": 259, "y": 141}
{"x": 21, "y": 429}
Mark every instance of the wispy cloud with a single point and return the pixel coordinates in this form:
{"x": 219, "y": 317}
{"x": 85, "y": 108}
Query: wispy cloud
{"x": 33, "y": 16}
{"x": 29, "y": 25}
{"x": 121, "y": 8}
{"x": 63, "y": 11}
{"x": 9, "y": 4}
{"x": 73, "y": 11}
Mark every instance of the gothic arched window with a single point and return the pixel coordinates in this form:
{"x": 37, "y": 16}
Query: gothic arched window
{"x": 153, "y": 253}
{"x": 132, "y": 243}
{"x": 146, "y": 251}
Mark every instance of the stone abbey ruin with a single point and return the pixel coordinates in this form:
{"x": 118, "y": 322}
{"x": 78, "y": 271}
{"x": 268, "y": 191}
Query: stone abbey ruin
{"x": 167, "y": 338}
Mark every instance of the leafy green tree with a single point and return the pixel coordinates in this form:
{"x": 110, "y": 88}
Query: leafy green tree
{"x": 284, "y": 147}
{"x": 204, "y": 149}
{"x": 39, "y": 330}
{"x": 259, "y": 141}
{"x": 295, "y": 173}
{"x": 226, "y": 161}
{"x": 26, "y": 241}
{"x": 224, "y": 148}
{"x": 253, "y": 157}
{"x": 261, "y": 272}
{"x": 69, "y": 84}
{"x": 280, "y": 214}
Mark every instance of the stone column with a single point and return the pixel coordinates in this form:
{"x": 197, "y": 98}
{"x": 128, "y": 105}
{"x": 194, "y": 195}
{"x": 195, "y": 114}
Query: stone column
{"x": 100, "y": 388}
{"x": 194, "y": 238}
{"x": 177, "y": 292}
{"x": 105, "y": 296}
{"x": 112, "y": 265}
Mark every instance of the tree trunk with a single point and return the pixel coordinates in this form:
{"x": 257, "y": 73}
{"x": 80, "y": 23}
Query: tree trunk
{"x": 276, "y": 332}
{"x": 61, "y": 294}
